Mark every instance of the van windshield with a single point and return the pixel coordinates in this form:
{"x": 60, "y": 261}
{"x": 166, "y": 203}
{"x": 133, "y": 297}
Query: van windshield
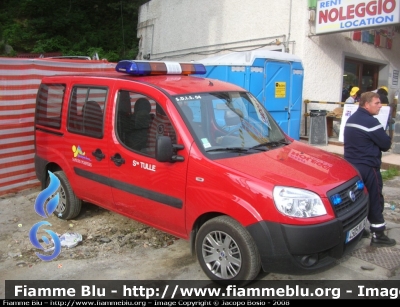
{"x": 232, "y": 122}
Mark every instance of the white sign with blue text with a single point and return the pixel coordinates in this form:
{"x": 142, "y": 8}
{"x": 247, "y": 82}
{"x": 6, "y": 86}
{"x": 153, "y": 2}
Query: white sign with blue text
{"x": 350, "y": 15}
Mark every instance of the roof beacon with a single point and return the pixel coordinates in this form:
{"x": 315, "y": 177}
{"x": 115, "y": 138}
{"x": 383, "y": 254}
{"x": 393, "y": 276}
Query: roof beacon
{"x": 142, "y": 68}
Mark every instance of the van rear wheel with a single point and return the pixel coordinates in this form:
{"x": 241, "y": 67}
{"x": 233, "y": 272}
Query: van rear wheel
{"x": 227, "y": 252}
{"x": 69, "y": 206}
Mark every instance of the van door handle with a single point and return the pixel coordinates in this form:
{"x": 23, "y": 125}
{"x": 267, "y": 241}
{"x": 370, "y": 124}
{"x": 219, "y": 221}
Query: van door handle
{"x": 117, "y": 159}
{"x": 98, "y": 154}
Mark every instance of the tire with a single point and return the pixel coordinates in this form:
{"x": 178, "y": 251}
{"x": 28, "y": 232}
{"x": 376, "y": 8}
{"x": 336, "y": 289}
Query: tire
{"x": 69, "y": 205}
{"x": 226, "y": 251}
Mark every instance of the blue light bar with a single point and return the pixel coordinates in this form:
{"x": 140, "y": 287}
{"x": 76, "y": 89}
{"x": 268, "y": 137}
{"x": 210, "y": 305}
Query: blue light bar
{"x": 146, "y": 68}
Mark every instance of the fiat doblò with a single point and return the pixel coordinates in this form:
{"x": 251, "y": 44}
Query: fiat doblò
{"x": 200, "y": 159}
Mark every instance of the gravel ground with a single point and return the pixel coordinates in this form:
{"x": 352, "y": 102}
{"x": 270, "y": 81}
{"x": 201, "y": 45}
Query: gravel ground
{"x": 112, "y": 247}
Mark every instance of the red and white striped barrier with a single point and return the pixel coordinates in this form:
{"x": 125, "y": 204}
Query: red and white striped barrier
{"x": 19, "y": 82}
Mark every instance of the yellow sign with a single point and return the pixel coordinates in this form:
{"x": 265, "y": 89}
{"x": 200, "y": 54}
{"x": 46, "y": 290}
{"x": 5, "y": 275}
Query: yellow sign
{"x": 280, "y": 89}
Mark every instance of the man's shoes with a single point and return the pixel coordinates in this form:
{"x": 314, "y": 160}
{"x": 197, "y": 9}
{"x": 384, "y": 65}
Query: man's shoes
{"x": 379, "y": 239}
{"x": 365, "y": 234}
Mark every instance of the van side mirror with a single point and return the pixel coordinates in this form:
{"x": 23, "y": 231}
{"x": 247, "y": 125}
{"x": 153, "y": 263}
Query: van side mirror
{"x": 166, "y": 151}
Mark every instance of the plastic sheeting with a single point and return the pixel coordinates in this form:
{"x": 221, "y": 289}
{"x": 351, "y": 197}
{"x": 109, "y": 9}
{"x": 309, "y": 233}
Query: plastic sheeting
{"x": 19, "y": 82}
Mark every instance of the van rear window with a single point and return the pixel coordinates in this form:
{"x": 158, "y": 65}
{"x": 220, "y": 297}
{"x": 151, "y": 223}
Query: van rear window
{"x": 49, "y": 105}
{"x": 86, "y": 110}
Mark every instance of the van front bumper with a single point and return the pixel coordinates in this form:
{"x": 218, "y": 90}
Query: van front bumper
{"x": 290, "y": 249}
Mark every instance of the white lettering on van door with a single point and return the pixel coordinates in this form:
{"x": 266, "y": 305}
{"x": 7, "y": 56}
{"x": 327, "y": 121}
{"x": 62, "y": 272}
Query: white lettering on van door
{"x": 144, "y": 165}
{"x": 149, "y": 167}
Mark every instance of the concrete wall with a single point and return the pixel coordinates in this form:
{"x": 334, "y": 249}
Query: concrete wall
{"x": 195, "y": 29}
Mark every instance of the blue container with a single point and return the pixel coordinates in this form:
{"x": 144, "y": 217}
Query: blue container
{"x": 274, "y": 77}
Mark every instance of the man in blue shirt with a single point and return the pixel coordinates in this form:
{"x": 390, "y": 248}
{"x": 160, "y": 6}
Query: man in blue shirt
{"x": 364, "y": 140}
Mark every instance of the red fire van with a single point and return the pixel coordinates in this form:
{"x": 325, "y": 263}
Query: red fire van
{"x": 200, "y": 159}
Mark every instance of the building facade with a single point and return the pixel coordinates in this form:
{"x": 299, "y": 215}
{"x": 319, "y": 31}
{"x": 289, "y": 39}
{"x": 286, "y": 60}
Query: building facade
{"x": 342, "y": 43}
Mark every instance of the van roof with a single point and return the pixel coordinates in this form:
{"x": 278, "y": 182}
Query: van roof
{"x": 172, "y": 84}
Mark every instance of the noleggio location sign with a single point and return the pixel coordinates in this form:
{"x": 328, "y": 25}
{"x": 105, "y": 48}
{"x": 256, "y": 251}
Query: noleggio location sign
{"x": 350, "y": 15}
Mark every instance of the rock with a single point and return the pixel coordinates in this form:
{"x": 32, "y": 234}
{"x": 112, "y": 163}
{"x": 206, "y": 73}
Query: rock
{"x": 14, "y": 255}
{"x": 367, "y": 268}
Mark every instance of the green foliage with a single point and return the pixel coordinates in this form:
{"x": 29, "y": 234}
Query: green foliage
{"x": 73, "y": 27}
{"x": 54, "y": 43}
{"x": 390, "y": 173}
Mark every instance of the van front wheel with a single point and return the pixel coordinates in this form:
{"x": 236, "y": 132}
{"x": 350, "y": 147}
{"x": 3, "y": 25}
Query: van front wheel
{"x": 69, "y": 206}
{"x": 226, "y": 251}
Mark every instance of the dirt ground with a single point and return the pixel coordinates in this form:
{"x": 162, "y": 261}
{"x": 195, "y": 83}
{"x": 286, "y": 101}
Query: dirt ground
{"x": 113, "y": 246}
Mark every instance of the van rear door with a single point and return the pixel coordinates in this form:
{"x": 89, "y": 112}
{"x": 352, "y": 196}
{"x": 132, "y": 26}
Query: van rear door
{"x": 86, "y": 143}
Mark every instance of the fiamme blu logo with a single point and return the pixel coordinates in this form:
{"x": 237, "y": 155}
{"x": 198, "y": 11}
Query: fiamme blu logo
{"x": 45, "y": 204}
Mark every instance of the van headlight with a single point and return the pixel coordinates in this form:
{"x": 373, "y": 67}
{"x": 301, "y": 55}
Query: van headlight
{"x": 298, "y": 202}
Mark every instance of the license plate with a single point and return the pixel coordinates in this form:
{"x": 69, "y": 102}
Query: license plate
{"x": 352, "y": 233}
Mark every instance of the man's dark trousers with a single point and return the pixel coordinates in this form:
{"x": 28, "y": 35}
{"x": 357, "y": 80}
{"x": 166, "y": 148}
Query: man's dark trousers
{"x": 373, "y": 181}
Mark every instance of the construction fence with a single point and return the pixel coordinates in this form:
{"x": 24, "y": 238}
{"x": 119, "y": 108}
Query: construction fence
{"x": 19, "y": 82}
